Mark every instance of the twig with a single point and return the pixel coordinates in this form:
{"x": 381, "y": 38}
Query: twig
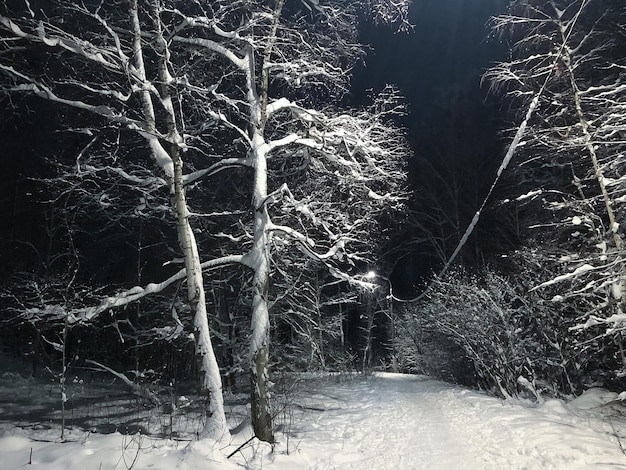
{"x": 619, "y": 440}
{"x": 241, "y": 447}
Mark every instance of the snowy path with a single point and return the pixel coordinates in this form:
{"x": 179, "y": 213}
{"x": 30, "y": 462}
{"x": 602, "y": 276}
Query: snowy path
{"x": 390, "y": 422}
{"x": 403, "y": 426}
{"x": 403, "y": 422}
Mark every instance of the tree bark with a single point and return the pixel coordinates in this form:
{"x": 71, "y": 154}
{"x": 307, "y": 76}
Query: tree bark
{"x": 259, "y": 346}
{"x": 211, "y": 382}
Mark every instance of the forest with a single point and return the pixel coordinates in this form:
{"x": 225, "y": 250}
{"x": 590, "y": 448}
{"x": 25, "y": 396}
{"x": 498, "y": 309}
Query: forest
{"x": 193, "y": 198}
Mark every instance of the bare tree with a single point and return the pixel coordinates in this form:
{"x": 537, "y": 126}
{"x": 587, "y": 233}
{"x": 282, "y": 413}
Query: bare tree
{"x": 104, "y": 67}
{"x": 325, "y": 174}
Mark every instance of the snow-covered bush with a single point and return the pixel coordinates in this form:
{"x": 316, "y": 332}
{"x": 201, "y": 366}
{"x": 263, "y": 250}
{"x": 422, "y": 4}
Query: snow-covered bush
{"x": 517, "y": 343}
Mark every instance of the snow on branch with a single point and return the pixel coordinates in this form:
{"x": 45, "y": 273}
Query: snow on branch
{"x": 615, "y": 323}
{"x": 240, "y": 62}
{"x": 64, "y": 40}
{"x": 393, "y": 12}
{"x": 216, "y": 168}
{"x": 39, "y": 89}
{"x": 137, "y": 292}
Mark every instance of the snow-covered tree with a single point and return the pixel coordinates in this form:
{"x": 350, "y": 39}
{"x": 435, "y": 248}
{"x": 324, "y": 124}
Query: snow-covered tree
{"x": 318, "y": 177}
{"x": 207, "y": 88}
{"x": 568, "y": 57}
{"x": 100, "y": 64}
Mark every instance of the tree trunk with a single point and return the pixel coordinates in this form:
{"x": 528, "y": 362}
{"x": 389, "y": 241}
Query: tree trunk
{"x": 211, "y": 381}
{"x": 259, "y": 345}
{"x": 260, "y": 255}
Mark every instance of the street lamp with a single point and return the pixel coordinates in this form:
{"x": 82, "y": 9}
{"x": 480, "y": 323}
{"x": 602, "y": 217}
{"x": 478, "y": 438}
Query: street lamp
{"x": 372, "y": 275}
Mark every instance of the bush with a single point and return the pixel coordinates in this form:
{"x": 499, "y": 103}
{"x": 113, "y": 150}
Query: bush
{"x": 493, "y": 332}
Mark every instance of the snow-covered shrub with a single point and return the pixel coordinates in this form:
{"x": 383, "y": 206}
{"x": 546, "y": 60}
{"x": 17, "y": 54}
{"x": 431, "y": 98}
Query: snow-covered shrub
{"x": 516, "y": 342}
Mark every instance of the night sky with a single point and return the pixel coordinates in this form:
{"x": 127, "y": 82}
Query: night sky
{"x": 452, "y": 120}
{"x": 446, "y": 53}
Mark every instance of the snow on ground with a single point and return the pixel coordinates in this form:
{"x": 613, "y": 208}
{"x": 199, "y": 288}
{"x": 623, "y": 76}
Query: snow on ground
{"x": 378, "y": 423}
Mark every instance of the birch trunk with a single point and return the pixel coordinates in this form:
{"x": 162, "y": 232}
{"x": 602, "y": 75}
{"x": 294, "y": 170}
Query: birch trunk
{"x": 211, "y": 383}
{"x": 597, "y": 170}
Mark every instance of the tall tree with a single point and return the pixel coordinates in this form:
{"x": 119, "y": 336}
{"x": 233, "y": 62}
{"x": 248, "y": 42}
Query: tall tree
{"x": 319, "y": 177}
{"x": 100, "y": 64}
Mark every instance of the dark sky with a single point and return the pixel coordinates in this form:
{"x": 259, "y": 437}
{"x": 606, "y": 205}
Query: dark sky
{"x": 452, "y": 120}
{"x": 447, "y": 48}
